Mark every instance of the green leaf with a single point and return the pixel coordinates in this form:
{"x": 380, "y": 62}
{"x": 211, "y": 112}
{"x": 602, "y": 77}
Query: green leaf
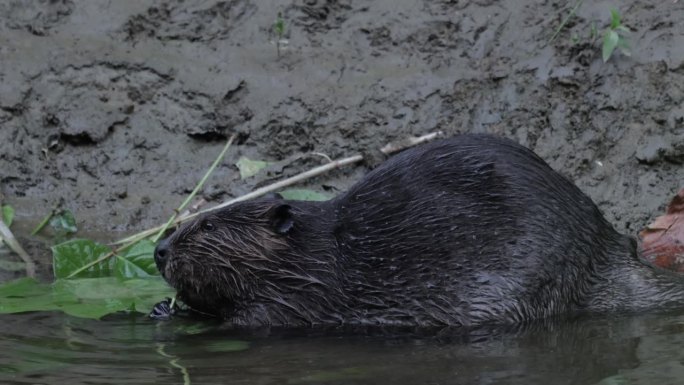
{"x": 614, "y": 18}
{"x": 250, "y": 167}
{"x": 136, "y": 262}
{"x": 623, "y": 45}
{"x": 610, "y": 41}
{"x": 622, "y": 28}
{"x": 7, "y": 215}
{"x": 84, "y": 297}
{"x": 20, "y": 287}
{"x": 148, "y": 291}
{"x": 71, "y": 255}
{"x": 279, "y": 25}
{"x": 64, "y": 222}
{"x": 303, "y": 195}
{"x": 100, "y": 296}
{"x": 27, "y": 294}
{"x": 227, "y": 346}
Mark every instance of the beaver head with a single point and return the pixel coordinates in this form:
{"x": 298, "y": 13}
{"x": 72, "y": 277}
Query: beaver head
{"x": 255, "y": 262}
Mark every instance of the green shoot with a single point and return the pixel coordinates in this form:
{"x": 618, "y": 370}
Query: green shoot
{"x": 279, "y": 30}
{"x": 565, "y": 21}
{"x": 614, "y": 37}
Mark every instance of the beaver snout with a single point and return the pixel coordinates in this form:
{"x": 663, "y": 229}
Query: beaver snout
{"x": 161, "y": 254}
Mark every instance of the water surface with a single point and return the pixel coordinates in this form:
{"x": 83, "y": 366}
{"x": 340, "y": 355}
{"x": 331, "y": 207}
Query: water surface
{"x": 48, "y": 348}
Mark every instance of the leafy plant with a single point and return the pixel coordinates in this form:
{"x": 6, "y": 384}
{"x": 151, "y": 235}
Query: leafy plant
{"x": 614, "y": 37}
{"x": 91, "y": 279}
{"x": 129, "y": 282}
{"x": 83, "y": 297}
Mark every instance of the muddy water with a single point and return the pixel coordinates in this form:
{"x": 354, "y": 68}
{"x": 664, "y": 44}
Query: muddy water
{"x": 48, "y": 349}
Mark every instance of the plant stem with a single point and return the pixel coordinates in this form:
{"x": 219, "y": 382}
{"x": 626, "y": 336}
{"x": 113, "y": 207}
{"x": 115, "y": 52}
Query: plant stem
{"x": 12, "y": 242}
{"x": 45, "y": 220}
{"x": 387, "y": 149}
{"x": 99, "y": 260}
{"x": 194, "y": 192}
{"x": 565, "y": 21}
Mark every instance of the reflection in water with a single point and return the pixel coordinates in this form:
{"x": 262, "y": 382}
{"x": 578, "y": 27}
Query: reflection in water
{"x": 53, "y": 348}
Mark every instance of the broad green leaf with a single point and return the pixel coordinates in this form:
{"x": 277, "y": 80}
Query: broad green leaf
{"x": 92, "y": 309}
{"x": 610, "y": 41}
{"x": 227, "y": 346}
{"x": 84, "y": 297}
{"x": 69, "y": 256}
{"x": 614, "y": 18}
{"x": 303, "y": 195}
{"x": 64, "y": 222}
{"x": 100, "y": 296}
{"x": 21, "y": 287}
{"x": 250, "y": 167}
{"x": 148, "y": 292}
{"x": 27, "y": 294}
{"x": 136, "y": 262}
{"x": 7, "y": 215}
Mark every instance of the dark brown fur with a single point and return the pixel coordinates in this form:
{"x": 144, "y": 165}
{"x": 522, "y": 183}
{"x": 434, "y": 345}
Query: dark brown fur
{"x": 469, "y": 230}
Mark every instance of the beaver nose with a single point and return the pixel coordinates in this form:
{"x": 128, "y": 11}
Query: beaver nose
{"x": 161, "y": 254}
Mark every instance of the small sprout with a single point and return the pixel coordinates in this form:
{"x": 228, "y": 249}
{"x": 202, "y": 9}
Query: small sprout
{"x": 593, "y": 32}
{"x": 614, "y": 37}
{"x": 279, "y": 31}
{"x": 575, "y": 38}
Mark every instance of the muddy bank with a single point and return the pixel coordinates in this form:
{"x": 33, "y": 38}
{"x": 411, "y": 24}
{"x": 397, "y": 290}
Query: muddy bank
{"x": 118, "y": 107}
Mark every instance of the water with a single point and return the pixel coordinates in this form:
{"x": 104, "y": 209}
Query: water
{"x": 49, "y": 348}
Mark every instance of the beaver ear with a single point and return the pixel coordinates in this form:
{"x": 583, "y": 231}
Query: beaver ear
{"x": 281, "y": 219}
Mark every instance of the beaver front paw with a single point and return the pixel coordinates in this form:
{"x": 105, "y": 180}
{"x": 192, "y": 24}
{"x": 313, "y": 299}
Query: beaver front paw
{"x": 164, "y": 310}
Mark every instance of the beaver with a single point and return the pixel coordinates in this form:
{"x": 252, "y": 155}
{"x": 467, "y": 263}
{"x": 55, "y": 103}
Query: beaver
{"x": 470, "y": 230}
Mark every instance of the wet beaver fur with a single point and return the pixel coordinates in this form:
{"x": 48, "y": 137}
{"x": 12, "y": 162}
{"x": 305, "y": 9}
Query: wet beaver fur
{"x": 465, "y": 231}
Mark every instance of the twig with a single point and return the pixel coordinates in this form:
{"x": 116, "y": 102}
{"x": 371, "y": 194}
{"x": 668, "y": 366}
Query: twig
{"x": 565, "y": 21}
{"x": 387, "y": 149}
{"x": 194, "y": 192}
{"x": 99, "y": 260}
{"x": 44, "y": 222}
{"x": 12, "y": 242}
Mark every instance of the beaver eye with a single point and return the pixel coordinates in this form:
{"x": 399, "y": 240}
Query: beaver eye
{"x": 208, "y": 226}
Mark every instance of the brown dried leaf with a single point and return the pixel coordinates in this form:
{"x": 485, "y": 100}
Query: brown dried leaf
{"x": 663, "y": 239}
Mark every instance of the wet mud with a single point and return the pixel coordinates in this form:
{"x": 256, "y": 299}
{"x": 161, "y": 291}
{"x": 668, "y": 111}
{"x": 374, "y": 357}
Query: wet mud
{"x": 118, "y": 107}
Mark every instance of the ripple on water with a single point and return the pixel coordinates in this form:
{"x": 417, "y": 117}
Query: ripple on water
{"x": 51, "y": 348}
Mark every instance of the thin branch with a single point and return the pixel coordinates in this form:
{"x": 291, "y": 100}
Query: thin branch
{"x": 387, "y": 149}
{"x": 565, "y": 21}
{"x": 7, "y": 236}
{"x": 194, "y": 192}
